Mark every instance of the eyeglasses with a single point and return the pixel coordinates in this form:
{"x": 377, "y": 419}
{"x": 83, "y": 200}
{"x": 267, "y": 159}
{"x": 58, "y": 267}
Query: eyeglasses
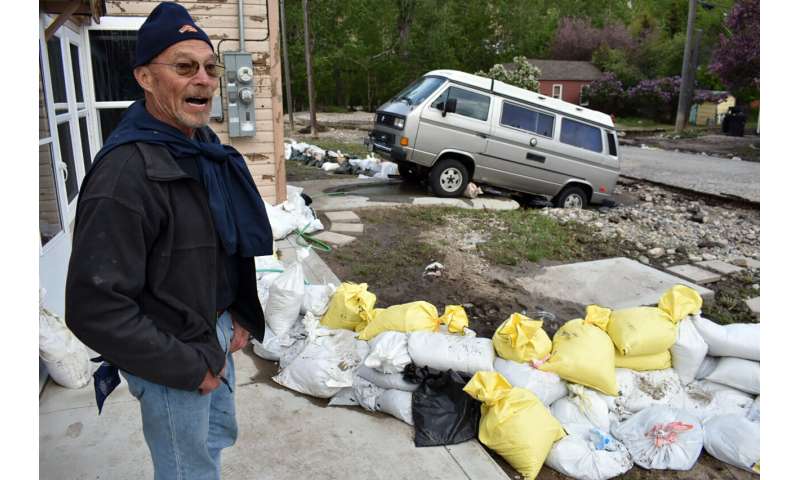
{"x": 187, "y": 69}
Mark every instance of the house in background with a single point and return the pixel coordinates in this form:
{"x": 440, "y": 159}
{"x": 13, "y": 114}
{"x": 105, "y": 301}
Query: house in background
{"x": 710, "y": 113}
{"x": 86, "y": 49}
{"x": 565, "y": 79}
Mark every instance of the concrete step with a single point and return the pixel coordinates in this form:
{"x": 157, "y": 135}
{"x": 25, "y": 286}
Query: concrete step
{"x": 356, "y": 228}
{"x": 719, "y": 267}
{"x": 342, "y": 217}
{"x": 334, "y": 239}
{"x": 695, "y": 274}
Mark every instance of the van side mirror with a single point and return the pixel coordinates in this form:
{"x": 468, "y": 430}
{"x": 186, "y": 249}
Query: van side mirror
{"x": 449, "y": 106}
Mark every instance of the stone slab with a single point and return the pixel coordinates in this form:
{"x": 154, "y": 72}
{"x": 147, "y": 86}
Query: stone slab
{"x": 749, "y": 263}
{"x": 444, "y": 202}
{"x": 347, "y": 227}
{"x": 755, "y": 305}
{"x": 315, "y": 270}
{"x": 342, "y": 217}
{"x": 719, "y": 267}
{"x": 695, "y": 274}
{"x": 494, "y": 204}
{"x": 334, "y": 239}
{"x": 614, "y": 282}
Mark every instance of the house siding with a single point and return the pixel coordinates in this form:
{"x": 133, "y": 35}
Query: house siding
{"x": 263, "y": 152}
{"x": 570, "y": 89}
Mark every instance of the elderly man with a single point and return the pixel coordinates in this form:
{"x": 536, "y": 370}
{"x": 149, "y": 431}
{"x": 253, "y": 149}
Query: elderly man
{"x": 161, "y": 281}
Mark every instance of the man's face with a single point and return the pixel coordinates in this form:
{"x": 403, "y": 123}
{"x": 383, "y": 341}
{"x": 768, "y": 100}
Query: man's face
{"x": 181, "y": 101}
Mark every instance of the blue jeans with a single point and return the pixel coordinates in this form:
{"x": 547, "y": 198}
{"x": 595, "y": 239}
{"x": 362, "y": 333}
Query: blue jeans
{"x": 186, "y": 431}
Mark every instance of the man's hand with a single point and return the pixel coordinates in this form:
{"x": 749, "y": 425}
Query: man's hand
{"x": 209, "y": 384}
{"x": 240, "y": 336}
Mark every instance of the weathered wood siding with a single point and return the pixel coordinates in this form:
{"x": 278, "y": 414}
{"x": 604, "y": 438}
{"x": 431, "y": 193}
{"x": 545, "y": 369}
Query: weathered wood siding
{"x": 220, "y": 20}
{"x": 49, "y": 218}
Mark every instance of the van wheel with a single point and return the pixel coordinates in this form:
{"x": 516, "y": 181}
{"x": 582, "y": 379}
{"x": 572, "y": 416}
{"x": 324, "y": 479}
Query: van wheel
{"x": 572, "y": 197}
{"x": 448, "y": 178}
{"x": 408, "y": 172}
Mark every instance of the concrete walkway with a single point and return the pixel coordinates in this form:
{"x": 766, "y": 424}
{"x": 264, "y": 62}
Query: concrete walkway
{"x": 282, "y": 434}
{"x": 718, "y": 176}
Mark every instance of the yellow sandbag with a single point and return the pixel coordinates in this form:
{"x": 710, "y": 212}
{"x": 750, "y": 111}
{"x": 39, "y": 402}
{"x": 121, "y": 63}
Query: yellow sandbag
{"x": 659, "y": 361}
{"x": 642, "y": 330}
{"x": 583, "y": 353}
{"x": 349, "y": 306}
{"x": 455, "y": 318}
{"x": 407, "y": 317}
{"x": 521, "y": 339}
{"x": 514, "y": 423}
{"x": 598, "y": 316}
{"x": 680, "y": 301}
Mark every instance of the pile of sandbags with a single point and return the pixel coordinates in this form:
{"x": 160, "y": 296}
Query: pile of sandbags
{"x": 292, "y": 215}
{"x": 339, "y": 163}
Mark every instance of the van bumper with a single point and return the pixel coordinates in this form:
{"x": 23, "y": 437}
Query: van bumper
{"x": 393, "y": 152}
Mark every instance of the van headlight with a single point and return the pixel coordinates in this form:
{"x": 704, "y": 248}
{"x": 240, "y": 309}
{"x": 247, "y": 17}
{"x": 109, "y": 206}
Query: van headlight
{"x": 399, "y": 123}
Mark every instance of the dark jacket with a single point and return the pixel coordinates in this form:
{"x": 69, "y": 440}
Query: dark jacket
{"x": 141, "y": 286}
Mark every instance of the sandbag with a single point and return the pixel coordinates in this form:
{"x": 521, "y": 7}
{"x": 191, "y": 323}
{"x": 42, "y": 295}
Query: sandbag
{"x": 443, "y": 413}
{"x": 66, "y": 358}
{"x": 386, "y": 380}
{"x": 407, "y": 317}
{"x": 754, "y": 414}
{"x": 688, "y": 351}
{"x": 706, "y": 399}
{"x": 658, "y": 361}
{"x": 514, "y": 423}
{"x": 286, "y": 297}
{"x": 733, "y": 439}
{"x": 741, "y": 340}
{"x": 641, "y": 330}
{"x": 739, "y": 373}
{"x": 589, "y": 455}
{"x": 454, "y": 319}
{"x": 641, "y": 390}
{"x": 547, "y": 386}
{"x": 281, "y": 222}
{"x": 581, "y": 409}
{"x": 388, "y": 352}
{"x": 583, "y": 353}
{"x": 521, "y": 339}
{"x": 680, "y": 301}
{"x": 451, "y": 352}
{"x": 706, "y": 367}
{"x": 348, "y": 307}
{"x": 316, "y": 299}
{"x": 396, "y": 403}
{"x": 662, "y": 438}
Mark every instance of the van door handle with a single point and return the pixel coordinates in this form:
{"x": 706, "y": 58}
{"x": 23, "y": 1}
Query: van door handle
{"x": 535, "y": 157}
{"x": 482, "y": 135}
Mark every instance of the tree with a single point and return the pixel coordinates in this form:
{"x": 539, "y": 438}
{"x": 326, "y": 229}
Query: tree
{"x": 736, "y": 61}
{"x": 606, "y": 94}
{"x": 616, "y": 62}
{"x": 577, "y": 39}
{"x": 522, "y": 74}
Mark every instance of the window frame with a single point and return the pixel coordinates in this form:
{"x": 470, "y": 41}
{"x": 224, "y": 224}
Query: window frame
{"x": 560, "y": 91}
{"x": 538, "y": 112}
{"x": 600, "y": 130}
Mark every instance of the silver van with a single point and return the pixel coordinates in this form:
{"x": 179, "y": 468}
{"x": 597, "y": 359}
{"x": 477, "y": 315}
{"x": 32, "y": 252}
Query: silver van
{"x": 451, "y": 128}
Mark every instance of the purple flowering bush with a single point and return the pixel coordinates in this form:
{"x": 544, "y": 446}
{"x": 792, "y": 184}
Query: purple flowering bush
{"x": 606, "y": 94}
{"x": 656, "y": 98}
{"x": 737, "y": 59}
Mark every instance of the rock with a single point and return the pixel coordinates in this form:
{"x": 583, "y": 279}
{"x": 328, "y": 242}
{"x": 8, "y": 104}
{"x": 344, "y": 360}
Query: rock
{"x": 699, "y": 217}
{"x": 755, "y": 286}
{"x": 736, "y": 159}
{"x": 603, "y": 209}
{"x": 670, "y": 251}
{"x": 657, "y": 252}
{"x": 695, "y": 258}
{"x": 644, "y": 260}
{"x": 682, "y": 249}
{"x": 708, "y": 256}
{"x": 646, "y": 198}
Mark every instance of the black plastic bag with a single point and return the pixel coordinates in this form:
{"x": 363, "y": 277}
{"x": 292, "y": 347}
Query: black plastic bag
{"x": 443, "y": 413}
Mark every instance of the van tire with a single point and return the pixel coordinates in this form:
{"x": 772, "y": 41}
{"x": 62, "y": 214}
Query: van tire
{"x": 448, "y": 178}
{"x": 409, "y": 172}
{"x": 572, "y": 197}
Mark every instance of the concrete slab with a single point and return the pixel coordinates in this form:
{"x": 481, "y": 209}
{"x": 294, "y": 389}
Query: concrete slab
{"x": 444, "y": 202}
{"x": 494, "y": 204}
{"x": 342, "y": 217}
{"x": 315, "y": 270}
{"x": 754, "y": 304}
{"x": 613, "y": 282}
{"x": 695, "y": 274}
{"x": 347, "y": 228}
{"x": 719, "y": 267}
{"x": 748, "y": 263}
{"x": 334, "y": 239}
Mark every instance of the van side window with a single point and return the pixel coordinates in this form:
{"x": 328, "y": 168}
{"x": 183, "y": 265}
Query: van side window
{"x": 469, "y": 104}
{"x": 530, "y": 120}
{"x": 612, "y": 144}
{"x": 581, "y": 135}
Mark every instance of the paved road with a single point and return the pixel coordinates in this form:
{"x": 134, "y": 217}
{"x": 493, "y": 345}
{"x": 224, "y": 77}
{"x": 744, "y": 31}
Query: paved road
{"x": 720, "y": 176}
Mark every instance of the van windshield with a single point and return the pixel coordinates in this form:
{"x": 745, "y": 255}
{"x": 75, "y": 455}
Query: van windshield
{"x": 418, "y": 91}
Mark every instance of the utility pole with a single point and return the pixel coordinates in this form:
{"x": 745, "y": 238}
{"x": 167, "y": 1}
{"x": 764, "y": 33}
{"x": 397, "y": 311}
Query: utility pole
{"x": 680, "y": 118}
{"x": 288, "y": 81}
{"x": 687, "y": 107}
{"x": 312, "y": 113}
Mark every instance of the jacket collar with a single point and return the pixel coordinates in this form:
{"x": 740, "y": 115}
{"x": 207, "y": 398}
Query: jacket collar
{"x": 159, "y": 165}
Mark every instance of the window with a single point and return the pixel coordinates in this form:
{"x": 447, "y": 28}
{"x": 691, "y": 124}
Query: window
{"x": 515, "y": 116}
{"x": 581, "y": 135}
{"x": 419, "y": 91}
{"x": 612, "y": 144}
{"x": 584, "y": 90}
{"x": 469, "y": 104}
{"x": 557, "y": 91}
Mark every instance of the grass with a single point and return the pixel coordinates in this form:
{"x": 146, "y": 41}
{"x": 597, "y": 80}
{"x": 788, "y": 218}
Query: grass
{"x": 729, "y": 299}
{"x": 626, "y": 123}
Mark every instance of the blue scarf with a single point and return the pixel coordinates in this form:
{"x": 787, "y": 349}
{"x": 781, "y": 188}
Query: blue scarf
{"x": 236, "y": 206}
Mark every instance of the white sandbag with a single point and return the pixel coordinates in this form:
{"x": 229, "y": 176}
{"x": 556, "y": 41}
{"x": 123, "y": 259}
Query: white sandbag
{"x": 706, "y": 367}
{"x": 388, "y": 352}
{"x": 640, "y": 390}
{"x": 589, "y": 455}
{"x": 583, "y": 407}
{"x": 396, "y": 403}
{"x": 325, "y": 365}
{"x": 662, "y": 438}
{"x": 275, "y": 347}
{"x": 688, "y": 352}
{"x": 739, "y": 373}
{"x": 330, "y": 166}
{"x": 387, "y": 169}
{"x": 286, "y": 297}
{"x": 304, "y": 218}
{"x": 268, "y": 265}
{"x": 741, "y": 340}
{"x": 366, "y": 393}
{"x": 392, "y": 381}
{"x": 706, "y": 399}
{"x": 316, "y": 298}
{"x": 345, "y": 397}
{"x": 467, "y": 332}
{"x": 754, "y": 414}
{"x": 66, "y": 358}
{"x": 733, "y": 439}
{"x": 445, "y": 352}
{"x": 281, "y": 221}
{"x": 547, "y": 386}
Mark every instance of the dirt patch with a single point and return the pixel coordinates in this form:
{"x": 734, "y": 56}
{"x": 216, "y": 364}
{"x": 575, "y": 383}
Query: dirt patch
{"x": 746, "y": 147}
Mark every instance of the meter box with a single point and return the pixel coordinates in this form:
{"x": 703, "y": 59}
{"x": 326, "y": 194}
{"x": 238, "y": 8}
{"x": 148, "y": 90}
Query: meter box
{"x": 241, "y": 94}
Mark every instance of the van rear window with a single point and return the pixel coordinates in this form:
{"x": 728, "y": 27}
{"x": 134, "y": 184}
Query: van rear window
{"x": 581, "y": 135}
{"x": 612, "y": 144}
{"x": 526, "y": 119}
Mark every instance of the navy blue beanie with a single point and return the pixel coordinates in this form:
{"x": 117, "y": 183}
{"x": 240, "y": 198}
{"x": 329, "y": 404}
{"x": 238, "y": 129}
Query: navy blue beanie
{"x": 168, "y": 24}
